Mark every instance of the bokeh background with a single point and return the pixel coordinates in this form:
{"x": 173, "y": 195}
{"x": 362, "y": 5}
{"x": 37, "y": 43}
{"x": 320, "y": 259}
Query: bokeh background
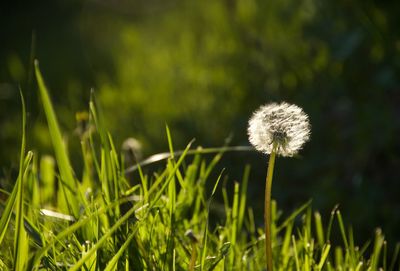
{"x": 203, "y": 67}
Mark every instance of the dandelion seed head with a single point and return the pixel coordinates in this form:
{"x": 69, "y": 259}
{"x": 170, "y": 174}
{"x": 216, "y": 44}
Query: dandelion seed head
{"x": 282, "y": 126}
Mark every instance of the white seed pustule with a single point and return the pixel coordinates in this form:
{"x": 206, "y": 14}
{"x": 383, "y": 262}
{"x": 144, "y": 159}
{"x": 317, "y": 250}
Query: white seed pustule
{"x": 282, "y": 126}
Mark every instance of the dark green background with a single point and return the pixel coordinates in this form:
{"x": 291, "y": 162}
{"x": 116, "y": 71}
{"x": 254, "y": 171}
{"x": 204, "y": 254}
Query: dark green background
{"x": 203, "y": 67}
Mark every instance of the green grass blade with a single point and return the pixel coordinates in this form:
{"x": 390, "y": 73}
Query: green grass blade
{"x": 293, "y": 215}
{"x": 319, "y": 228}
{"x": 342, "y": 230}
{"x": 384, "y": 255}
{"x": 216, "y": 184}
{"x": 235, "y": 214}
{"x": 394, "y": 257}
{"x": 172, "y": 156}
{"x": 21, "y": 245}
{"x": 296, "y": 256}
{"x": 7, "y": 213}
{"x": 285, "y": 251}
{"x": 338, "y": 257}
{"x": 223, "y": 251}
{"x": 112, "y": 264}
{"x": 243, "y": 197}
{"x": 70, "y": 230}
{"x": 171, "y": 176}
{"x": 98, "y": 122}
{"x": 324, "y": 256}
{"x": 378, "y": 244}
{"x": 58, "y": 144}
{"x": 328, "y": 231}
{"x": 103, "y": 239}
{"x": 33, "y": 232}
{"x": 170, "y": 145}
{"x": 205, "y": 234}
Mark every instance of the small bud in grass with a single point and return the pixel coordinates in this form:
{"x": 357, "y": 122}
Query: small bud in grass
{"x": 132, "y": 150}
{"x": 283, "y": 126}
{"x": 189, "y": 233}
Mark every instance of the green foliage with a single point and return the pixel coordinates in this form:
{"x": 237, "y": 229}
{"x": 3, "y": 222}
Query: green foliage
{"x": 143, "y": 222}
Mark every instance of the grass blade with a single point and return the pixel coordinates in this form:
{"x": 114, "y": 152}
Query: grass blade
{"x": 324, "y": 256}
{"x": 58, "y": 144}
{"x": 103, "y": 239}
{"x": 296, "y": 256}
{"x": 293, "y": 215}
{"x": 328, "y": 231}
{"x": 70, "y": 230}
{"x": 112, "y": 264}
{"x": 243, "y": 197}
{"x": 205, "y": 234}
{"x": 7, "y": 213}
{"x": 21, "y": 245}
{"x": 394, "y": 257}
{"x": 319, "y": 228}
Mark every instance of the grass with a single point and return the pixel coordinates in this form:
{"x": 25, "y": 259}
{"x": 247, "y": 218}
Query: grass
{"x": 55, "y": 220}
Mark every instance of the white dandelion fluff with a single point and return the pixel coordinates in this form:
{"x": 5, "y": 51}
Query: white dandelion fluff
{"x": 282, "y": 127}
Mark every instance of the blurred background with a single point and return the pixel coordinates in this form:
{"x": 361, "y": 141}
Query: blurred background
{"x": 203, "y": 67}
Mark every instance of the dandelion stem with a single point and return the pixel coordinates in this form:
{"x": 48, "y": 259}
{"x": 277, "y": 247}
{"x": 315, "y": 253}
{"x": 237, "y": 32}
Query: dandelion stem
{"x": 193, "y": 257}
{"x": 267, "y": 211}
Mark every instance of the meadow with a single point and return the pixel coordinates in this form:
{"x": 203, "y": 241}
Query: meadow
{"x": 111, "y": 218}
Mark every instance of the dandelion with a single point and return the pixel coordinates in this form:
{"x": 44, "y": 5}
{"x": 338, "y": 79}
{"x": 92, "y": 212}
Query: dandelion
{"x": 276, "y": 129}
{"x": 283, "y": 127}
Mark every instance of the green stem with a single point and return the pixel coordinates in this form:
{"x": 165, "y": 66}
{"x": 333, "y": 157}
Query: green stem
{"x": 193, "y": 257}
{"x": 267, "y": 211}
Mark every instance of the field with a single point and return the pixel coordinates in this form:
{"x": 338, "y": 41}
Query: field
{"x": 113, "y": 218}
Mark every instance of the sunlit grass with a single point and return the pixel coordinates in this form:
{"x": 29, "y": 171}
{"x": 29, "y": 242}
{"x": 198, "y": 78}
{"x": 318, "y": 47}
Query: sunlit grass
{"x": 55, "y": 220}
